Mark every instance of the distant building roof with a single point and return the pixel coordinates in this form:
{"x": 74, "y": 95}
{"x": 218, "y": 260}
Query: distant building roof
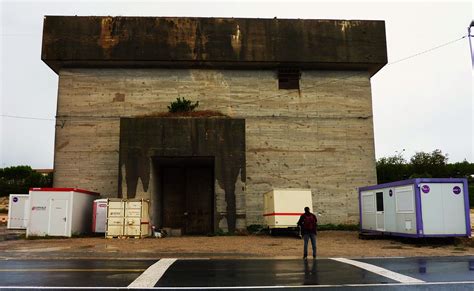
{"x": 44, "y": 171}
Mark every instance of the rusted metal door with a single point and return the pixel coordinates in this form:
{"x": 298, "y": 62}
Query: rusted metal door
{"x": 199, "y": 190}
{"x": 188, "y": 198}
{"x": 174, "y": 197}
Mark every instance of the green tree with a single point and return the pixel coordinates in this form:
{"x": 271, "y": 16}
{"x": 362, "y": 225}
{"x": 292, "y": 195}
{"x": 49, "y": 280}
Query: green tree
{"x": 19, "y": 179}
{"x": 425, "y": 165}
{"x": 429, "y": 165}
{"x": 393, "y": 168}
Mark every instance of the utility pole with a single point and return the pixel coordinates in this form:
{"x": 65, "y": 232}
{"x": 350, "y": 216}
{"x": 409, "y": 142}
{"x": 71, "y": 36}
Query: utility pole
{"x": 470, "y": 43}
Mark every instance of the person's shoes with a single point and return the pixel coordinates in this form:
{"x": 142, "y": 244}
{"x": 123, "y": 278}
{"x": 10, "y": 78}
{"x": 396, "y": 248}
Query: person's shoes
{"x": 305, "y": 258}
{"x": 314, "y": 257}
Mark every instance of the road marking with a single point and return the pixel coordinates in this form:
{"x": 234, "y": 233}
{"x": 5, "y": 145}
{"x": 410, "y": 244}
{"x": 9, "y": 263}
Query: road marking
{"x": 152, "y": 274}
{"x": 72, "y": 270}
{"x": 369, "y": 286}
{"x": 380, "y": 271}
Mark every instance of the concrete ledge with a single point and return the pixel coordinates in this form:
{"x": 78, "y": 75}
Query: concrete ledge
{"x": 98, "y": 41}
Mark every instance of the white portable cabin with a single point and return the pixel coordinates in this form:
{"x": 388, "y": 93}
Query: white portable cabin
{"x": 60, "y": 211}
{"x": 423, "y": 207}
{"x": 18, "y": 207}
{"x": 99, "y": 215}
{"x": 282, "y": 208}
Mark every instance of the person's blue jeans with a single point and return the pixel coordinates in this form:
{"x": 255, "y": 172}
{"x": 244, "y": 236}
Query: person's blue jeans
{"x": 306, "y": 237}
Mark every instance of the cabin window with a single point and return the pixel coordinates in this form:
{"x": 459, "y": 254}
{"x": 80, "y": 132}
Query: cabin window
{"x": 289, "y": 78}
{"x": 379, "y": 201}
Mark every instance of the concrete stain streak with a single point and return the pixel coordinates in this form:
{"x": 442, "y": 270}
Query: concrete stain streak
{"x": 107, "y": 39}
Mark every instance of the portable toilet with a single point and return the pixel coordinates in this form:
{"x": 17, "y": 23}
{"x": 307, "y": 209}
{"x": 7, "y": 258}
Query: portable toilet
{"x": 423, "y": 207}
{"x": 99, "y": 215}
{"x": 282, "y": 208}
{"x": 18, "y": 207}
{"x": 60, "y": 211}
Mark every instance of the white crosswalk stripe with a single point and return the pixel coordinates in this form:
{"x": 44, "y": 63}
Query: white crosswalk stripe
{"x": 380, "y": 271}
{"x": 153, "y": 274}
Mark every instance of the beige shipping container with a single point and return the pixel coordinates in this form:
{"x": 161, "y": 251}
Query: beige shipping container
{"x": 128, "y": 218}
{"x": 283, "y": 207}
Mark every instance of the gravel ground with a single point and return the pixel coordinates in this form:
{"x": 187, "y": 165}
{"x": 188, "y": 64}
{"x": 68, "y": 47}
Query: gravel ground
{"x": 329, "y": 244}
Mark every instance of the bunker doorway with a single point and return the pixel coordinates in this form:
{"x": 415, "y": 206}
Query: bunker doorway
{"x": 186, "y": 192}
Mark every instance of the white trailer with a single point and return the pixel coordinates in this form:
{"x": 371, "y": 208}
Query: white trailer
{"x": 282, "y": 208}
{"x": 99, "y": 215}
{"x": 18, "y": 207}
{"x": 60, "y": 211}
{"x": 423, "y": 207}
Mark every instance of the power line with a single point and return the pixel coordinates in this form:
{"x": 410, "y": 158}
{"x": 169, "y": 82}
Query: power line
{"x": 427, "y": 51}
{"x": 25, "y": 117}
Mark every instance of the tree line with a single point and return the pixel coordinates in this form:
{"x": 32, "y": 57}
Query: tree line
{"x": 424, "y": 165}
{"x": 19, "y": 179}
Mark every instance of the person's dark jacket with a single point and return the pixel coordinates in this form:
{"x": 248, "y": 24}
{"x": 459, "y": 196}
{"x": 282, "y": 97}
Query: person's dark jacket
{"x": 305, "y": 230}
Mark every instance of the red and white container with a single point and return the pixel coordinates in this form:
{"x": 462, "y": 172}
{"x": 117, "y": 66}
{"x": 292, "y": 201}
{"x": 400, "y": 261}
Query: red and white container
{"x": 99, "y": 215}
{"x": 60, "y": 211}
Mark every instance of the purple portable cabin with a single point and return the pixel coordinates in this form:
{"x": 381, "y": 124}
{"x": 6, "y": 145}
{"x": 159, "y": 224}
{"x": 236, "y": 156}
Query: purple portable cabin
{"x": 423, "y": 207}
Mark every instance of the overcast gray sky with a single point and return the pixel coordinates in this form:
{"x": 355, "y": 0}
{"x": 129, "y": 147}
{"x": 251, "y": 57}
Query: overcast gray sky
{"x": 420, "y": 104}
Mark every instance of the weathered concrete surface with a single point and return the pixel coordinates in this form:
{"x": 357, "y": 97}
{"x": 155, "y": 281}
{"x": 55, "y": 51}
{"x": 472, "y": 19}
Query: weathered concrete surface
{"x": 98, "y": 41}
{"x": 141, "y": 139}
{"x": 320, "y": 137}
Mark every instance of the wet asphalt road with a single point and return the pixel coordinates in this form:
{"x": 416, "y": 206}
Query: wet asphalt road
{"x": 446, "y": 273}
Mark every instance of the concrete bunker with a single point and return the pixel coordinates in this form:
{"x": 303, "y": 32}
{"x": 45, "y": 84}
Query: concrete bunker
{"x": 115, "y": 70}
{"x": 188, "y": 168}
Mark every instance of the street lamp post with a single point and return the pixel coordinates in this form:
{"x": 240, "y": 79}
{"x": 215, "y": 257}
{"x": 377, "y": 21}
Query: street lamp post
{"x": 470, "y": 44}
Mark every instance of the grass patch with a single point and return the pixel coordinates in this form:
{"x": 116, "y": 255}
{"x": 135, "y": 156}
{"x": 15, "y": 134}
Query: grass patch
{"x": 255, "y": 228}
{"x": 343, "y": 227}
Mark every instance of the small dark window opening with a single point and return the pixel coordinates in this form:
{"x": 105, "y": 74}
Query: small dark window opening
{"x": 289, "y": 78}
{"x": 379, "y": 201}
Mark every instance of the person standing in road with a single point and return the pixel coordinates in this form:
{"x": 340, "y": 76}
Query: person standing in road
{"x": 308, "y": 223}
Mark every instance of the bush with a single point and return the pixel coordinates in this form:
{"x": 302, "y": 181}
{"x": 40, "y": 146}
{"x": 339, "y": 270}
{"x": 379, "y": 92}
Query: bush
{"x": 182, "y": 105}
{"x": 20, "y": 179}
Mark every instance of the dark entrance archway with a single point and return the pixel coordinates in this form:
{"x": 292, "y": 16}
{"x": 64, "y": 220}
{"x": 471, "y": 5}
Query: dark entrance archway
{"x": 185, "y": 190}
{"x": 178, "y": 153}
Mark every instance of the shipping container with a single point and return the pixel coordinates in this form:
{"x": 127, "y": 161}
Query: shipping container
{"x": 18, "y": 213}
{"x": 60, "y": 211}
{"x": 423, "y": 207}
{"x": 283, "y": 207}
{"x": 99, "y": 215}
{"x": 128, "y": 218}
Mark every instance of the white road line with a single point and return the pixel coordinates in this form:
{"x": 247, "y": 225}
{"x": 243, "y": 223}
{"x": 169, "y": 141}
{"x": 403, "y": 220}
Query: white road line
{"x": 380, "y": 271}
{"x": 152, "y": 274}
{"x": 252, "y": 287}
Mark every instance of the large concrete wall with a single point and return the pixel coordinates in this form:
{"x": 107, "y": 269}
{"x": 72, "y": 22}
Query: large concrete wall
{"x": 318, "y": 137}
